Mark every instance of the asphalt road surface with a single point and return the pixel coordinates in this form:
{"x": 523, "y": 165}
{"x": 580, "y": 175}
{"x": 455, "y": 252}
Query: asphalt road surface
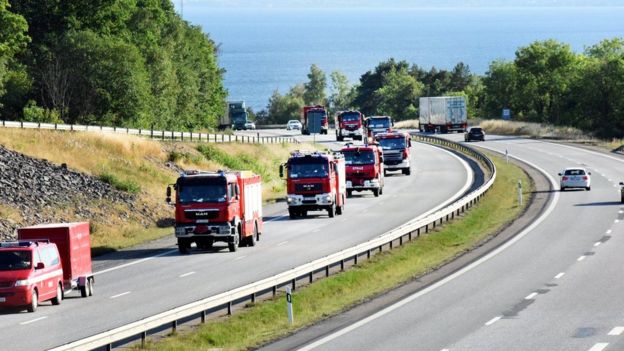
{"x": 154, "y": 278}
{"x": 558, "y": 285}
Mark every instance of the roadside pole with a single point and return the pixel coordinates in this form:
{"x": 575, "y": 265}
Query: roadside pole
{"x": 289, "y": 305}
{"x": 520, "y": 192}
{"x": 506, "y": 156}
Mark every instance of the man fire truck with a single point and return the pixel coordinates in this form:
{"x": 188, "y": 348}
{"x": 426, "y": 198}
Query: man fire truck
{"x": 364, "y": 165}
{"x": 217, "y": 206}
{"x": 315, "y": 181}
{"x": 396, "y": 151}
{"x": 349, "y": 124}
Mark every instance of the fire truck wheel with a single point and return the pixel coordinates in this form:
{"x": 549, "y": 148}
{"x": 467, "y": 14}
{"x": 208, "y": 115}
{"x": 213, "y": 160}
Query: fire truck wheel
{"x": 183, "y": 246}
{"x": 376, "y": 192}
{"x": 292, "y": 213}
{"x": 339, "y": 209}
{"x": 34, "y": 303}
{"x": 349, "y": 193}
{"x": 381, "y": 190}
{"x": 330, "y": 211}
{"x": 251, "y": 240}
{"x": 233, "y": 246}
{"x": 407, "y": 171}
{"x": 385, "y": 172}
{"x": 59, "y": 295}
{"x": 91, "y": 286}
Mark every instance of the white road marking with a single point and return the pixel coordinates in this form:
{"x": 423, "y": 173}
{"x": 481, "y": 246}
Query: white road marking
{"x": 282, "y": 243}
{"x": 602, "y": 174}
{"x": 120, "y": 295}
{"x": 531, "y": 296}
{"x": 581, "y": 258}
{"x": 276, "y": 218}
{"x": 558, "y": 276}
{"x": 455, "y": 275}
{"x": 609, "y": 231}
{"x": 186, "y": 274}
{"x": 610, "y": 180}
{"x": 616, "y": 221}
{"x": 620, "y": 211}
{"x": 597, "y": 243}
{"x": 616, "y": 331}
{"x": 444, "y": 350}
{"x": 493, "y": 320}
{"x": 33, "y": 320}
{"x": 134, "y": 262}
{"x": 239, "y": 258}
{"x": 599, "y": 346}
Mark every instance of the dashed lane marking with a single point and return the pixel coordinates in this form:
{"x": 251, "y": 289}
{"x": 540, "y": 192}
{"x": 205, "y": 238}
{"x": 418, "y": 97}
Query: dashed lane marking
{"x": 120, "y": 295}
{"x": 493, "y": 320}
{"x": 531, "y": 296}
{"x": 239, "y": 258}
{"x": 599, "y": 346}
{"x": 186, "y": 274}
{"x": 581, "y": 258}
{"x": 616, "y": 331}
{"x": 558, "y": 276}
{"x": 597, "y": 243}
{"x": 33, "y": 320}
{"x": 282, "y": 243}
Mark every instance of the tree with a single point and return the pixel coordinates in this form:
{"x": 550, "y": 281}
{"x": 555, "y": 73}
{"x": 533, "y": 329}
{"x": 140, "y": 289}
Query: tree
{"x": 283, "y": 108}
{"x": 315, "y": 87}
{"x": 398, "y": 96}
{"x": 365, "y": 94}
{"x": 340, "y": 91}
{"x": 13, "y": 39}
{"x": 500, "y": 88}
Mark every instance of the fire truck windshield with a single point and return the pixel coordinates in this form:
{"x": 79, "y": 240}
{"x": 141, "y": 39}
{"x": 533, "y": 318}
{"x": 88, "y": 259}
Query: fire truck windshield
{"x": 308, "y": 169}
{"x": 359, "y": 157}
{"x": 14, "y": 260}
{"x": 202, "y": 193}
{"x": 379, "y": 123}
{"x": 350, "y": 117}
{"x": 392, "y": 143}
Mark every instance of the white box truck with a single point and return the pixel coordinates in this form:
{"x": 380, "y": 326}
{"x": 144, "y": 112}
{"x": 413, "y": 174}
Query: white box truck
{"x": 443, "y": 114}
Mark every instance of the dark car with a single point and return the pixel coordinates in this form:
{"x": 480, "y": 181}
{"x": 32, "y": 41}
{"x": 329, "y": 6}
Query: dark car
{"x": 475, "y": 133}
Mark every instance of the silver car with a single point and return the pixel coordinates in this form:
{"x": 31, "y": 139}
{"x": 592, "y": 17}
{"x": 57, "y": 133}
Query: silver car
{"x": 575, "y": 178}
{"x": 293, "y": 124}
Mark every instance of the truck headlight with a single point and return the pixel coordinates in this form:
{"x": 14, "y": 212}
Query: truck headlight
{"x": 24, "y": 282}
{"x": 180, "y": 230}
{"x": 328, "y": 198}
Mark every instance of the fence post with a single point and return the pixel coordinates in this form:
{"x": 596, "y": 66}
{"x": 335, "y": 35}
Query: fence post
{"x": 152, "y": 132}
{"x": 22, "y": 124}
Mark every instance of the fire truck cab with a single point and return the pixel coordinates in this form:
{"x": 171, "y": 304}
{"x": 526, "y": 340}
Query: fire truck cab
{"x": 364, "y": 165}
{"x": 396, "y": 151}
{"x": 217, "y": 206}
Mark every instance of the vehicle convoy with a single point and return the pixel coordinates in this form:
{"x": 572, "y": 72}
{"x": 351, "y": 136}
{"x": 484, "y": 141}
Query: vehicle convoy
{"x": 314, "y": 120}
{"x": 444, "y": 114}
{"x": 235, "y": 116}
{"x": 575, "y": 178}
{"x": 474, "y": 133}
{"x": 47, "y": 261}
{"x": 378, "y": 124}
{"x": 315, "y": 181}
{"x": 396, "y": 151}
{"x": 364, "y": 167}
{"x": 217, "y": 207}
{"x": 349, "y": 124}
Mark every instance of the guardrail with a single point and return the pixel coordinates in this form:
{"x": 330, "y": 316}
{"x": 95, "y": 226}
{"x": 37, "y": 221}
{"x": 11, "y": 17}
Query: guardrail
{"x": 153, "y": 134}
{"x": 406, "y": 232}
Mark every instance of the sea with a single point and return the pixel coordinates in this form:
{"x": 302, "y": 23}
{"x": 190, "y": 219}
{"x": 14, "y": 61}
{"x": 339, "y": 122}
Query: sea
{"x": 268, "y": 49}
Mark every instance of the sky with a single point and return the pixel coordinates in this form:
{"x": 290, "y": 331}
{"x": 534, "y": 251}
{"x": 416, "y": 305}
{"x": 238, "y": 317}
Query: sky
{"x": 390, "y": 3}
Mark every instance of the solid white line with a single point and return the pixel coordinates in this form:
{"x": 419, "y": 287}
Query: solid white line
{"x": 120, "y": 295}
{"x": 616, "y": 331}
{"x": 558, "y": 276}
{"x": 282, "y": 243}
{"x": 33, "y": 320}
{"x": 239, "y": 258}
{"x": 134, "y": 262}
{"x": 597, "y": 243}
{"x": 453, "y": 276}
{"x": 493, "y": 320}
{"x": 186, "y": 274}
{"x": 531, "y": 296}
{"x": 581, "y": 258}
{"x": 599, "y": 346}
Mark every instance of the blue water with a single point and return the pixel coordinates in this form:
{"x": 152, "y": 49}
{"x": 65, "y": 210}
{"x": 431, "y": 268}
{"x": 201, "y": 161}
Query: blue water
{"x": 267, "y": 49}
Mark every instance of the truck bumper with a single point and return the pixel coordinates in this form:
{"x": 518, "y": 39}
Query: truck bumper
{"x": 16, "y": 296}
{"x": 214, "y": 231}
{"x": 310, "y": 202}
{"x": 371, "y": 184}
{"x": 402, "y": 165}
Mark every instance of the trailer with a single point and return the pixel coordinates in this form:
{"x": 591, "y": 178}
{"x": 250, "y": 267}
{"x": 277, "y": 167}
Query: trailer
{"x": 443, "y": 114}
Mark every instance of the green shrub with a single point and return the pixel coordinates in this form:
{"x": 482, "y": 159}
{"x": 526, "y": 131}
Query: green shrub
{"x": 129, "y": 186}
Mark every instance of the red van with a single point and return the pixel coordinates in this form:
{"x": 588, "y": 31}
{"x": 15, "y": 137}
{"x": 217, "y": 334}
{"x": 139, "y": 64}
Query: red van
{"x": 30, "y": 272}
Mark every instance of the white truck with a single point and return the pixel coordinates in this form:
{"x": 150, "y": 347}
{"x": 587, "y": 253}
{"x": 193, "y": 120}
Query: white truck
{"x": 443, "y": 114}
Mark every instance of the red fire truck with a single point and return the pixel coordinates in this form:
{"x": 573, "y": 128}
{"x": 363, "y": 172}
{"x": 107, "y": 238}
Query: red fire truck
{"x": 315, "y": 181}
{"x": 396, "y": 151}
{"x": 217, "y": 206}
{"x": 349, "y": 124}
{"x": 47, "y": 261}
{"x": 364, "y": 166}
{"x": 310, "y": 114}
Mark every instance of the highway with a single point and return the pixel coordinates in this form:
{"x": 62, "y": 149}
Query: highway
{"x": 128, "y": 290}
{"x": 556, "y": 286}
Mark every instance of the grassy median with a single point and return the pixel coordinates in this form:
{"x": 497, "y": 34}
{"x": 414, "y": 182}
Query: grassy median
{"x": 262, "y": 322}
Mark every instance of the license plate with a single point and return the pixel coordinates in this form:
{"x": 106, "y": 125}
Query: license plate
{"x": 309, "y": 198}
{"x": 2, "y": 299}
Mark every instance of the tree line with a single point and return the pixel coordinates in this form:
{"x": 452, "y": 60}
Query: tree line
{"x": 131, "y": 63}
{"x": 546, "y": 82}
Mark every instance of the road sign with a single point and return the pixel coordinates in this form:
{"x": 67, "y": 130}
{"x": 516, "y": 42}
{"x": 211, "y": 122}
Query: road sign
{"x": 506, "y": 114}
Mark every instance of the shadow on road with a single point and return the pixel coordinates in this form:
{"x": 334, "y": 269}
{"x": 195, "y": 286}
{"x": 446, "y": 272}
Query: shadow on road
{"x": 605, "y": 203}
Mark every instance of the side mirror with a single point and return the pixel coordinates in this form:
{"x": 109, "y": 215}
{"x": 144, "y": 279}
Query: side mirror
{"x": 168, "y": 194}
{"x": 40, "y": 265}
{"x": 622, "y": 183}
{"x": 281, "y": 171}
{"x": 588, "y": 173}
{"x": 559, "y": 174}
{"x": 409, "y": 142}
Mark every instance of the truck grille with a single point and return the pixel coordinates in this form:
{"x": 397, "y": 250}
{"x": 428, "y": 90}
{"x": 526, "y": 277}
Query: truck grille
{"x": 314, "y": 187}
{"x": 6, "y": 284}
{"x": 201, "y": 214}
{"x": 392, "y": 158}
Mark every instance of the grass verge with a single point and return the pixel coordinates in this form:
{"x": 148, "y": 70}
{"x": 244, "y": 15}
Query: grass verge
{"x": 262, "y": 322}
